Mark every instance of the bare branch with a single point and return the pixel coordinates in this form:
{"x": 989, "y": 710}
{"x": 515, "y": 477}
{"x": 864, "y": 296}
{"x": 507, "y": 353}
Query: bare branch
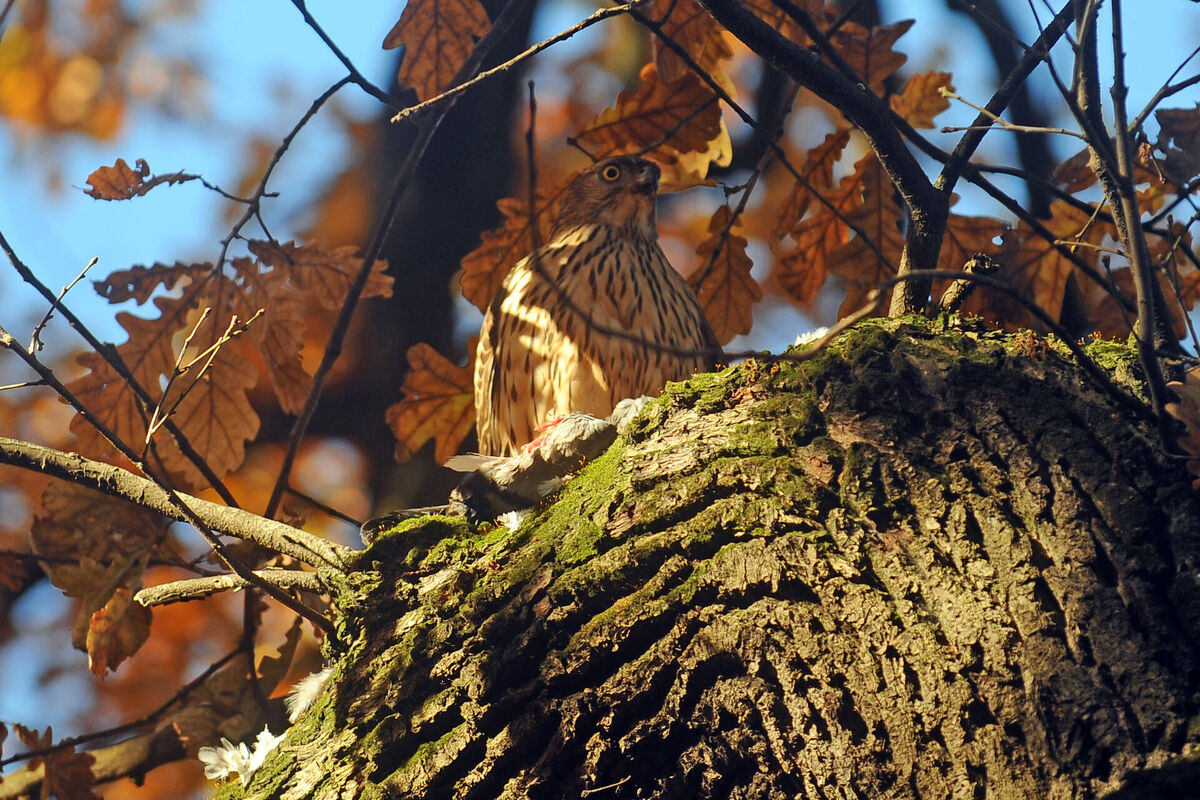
{"x": 223, "y": 520}
{"x": 198, "y": 588}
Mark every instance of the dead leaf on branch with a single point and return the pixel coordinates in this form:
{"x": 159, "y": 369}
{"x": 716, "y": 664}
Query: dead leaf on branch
{"x": 870, "y": 53}
{"x": 215, "y": 414}
{"x": 96, "y": 548}
{"x": 324, "y": 273}
{"x": 439, "y": 403}
{"x": 1179, "y": 142}
{"x": 922, "y": 98}
{"x": 724, "y": 287}
{"x": 139, "y": 282}
{"x": 438, "y": 36}
{"x": 689, "y": 26}
{"x": 816, "y": 175}
{"x": 120, "y": 182}
{"x": 67, "y": 774}
{"x": 660, "y": 120}
{"x": 878, "y": 218}
{"x": 802, "y": 270}
{"x": 116, "y": 631}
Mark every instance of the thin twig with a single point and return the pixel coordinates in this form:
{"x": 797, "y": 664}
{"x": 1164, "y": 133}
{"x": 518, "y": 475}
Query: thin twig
{"x": 767, "y": 137}
{"x": 172, "y": 499}
{"x": 452, "y": 93}
{"x": 355, "y": 75}
{"x": 35, "y": 342}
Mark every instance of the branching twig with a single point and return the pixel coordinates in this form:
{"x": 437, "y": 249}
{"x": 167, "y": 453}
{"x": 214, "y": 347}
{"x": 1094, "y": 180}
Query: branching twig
{"x": 113, "y": 358}
{"x": 151, "y": 718}
{"x": 768, "y": 137}
{"x": 170, "y": 499}
{"x": 35, "y": 342}
{"x": 355, "y": 75}
{"x": 927, "y": 208}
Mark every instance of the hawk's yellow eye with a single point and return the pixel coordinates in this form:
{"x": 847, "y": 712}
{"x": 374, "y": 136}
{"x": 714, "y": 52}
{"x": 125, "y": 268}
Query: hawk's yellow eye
{"x": 610, "y": 173}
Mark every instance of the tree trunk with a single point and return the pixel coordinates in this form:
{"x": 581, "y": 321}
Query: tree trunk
{"x": 920, "y": 564}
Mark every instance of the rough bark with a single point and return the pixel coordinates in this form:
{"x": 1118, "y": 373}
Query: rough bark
{"x": 921, "y": 564}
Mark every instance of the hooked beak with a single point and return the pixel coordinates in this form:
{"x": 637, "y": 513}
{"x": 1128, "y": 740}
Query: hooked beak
{"x": 646, "y": 181}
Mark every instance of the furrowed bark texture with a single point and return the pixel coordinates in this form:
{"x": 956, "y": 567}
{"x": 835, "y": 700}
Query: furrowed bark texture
{"x": 921, "y": 564}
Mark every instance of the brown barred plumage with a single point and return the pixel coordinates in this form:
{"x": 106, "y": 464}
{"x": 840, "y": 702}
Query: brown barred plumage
{"x": 546, "y": 347}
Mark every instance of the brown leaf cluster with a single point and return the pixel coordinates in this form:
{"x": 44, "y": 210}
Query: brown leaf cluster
{"x": 209, "y": 374}
{"x": 97, "y": 549}
{"x": 666, "y": 121}
{"x": 437, "y": 35}
{"x": 439, "y": 403}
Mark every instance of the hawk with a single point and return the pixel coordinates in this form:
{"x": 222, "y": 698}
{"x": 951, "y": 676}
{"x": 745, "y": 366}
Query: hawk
{"x": 596, "y": 315}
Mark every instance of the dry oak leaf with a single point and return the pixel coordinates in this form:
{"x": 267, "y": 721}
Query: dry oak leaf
{"x": 139, "y": 282}
{"x": 870, "y": 53}
{"x": 97, "y": 546}
{"x": 1187, "y": 411}
{"x": 660, "y": 119}
{"x": 116, "y": 632}
{"x": 118, "y": 182}
{"x": 687, "y": 170}
{"x": 67, "y": 774}
{"x": 438, "y": 35}
{"x": 878, "y": 217}
{"x": 1179, "y": 141}
{"x": 484, "y": 268}
{"x": 774, "y": 14}
{"x": 802, "y": 270}
{"x": 321, "y": 272}
{"x": 689, "y": 26}
{"x": 724, "y": 287}
{"x": 816, "y": 176}
{"x": 1035, "y": 266}
{"x": 922, "y": 98}
{"x": 439, "y": 403}
{"x": 279, "y": 334}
